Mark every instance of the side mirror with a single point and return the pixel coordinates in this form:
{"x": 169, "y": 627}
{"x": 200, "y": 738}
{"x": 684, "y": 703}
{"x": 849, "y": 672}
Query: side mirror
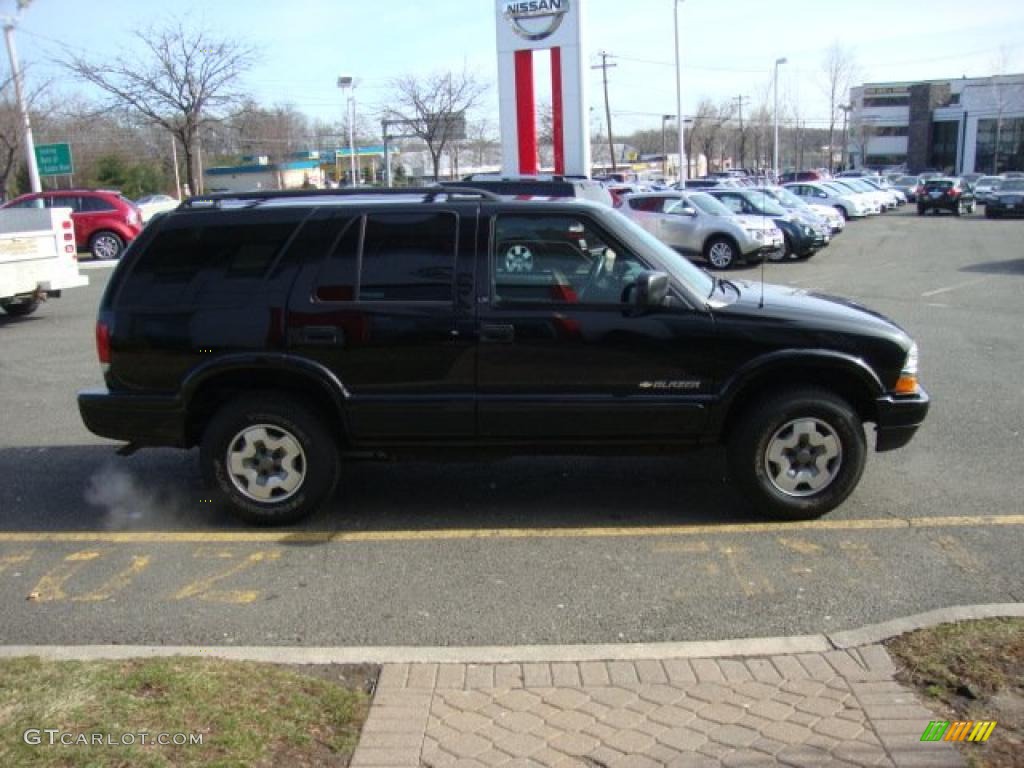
{"x": 686, "y": 210}
{"x": 649, "y": 290}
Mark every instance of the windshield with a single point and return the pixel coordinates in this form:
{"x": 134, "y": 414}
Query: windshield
{"x": 786, "y": 197}
{"x": 695, "y": 278}
{"x": 1013, "y": 185}
{"x": 708, "y": 204}
{"x": 908, "y": 181}
{"x": 765, "y": 203}
{"x": 838, "y": 188}
{"x": 989, "y": 181}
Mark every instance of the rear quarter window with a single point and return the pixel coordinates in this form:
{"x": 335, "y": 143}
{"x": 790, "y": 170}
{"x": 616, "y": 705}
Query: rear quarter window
{"x": 217, "y": 258}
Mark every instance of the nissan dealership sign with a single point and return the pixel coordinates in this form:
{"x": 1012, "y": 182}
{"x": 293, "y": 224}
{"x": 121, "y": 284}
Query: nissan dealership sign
{"x": 535, "y": 19}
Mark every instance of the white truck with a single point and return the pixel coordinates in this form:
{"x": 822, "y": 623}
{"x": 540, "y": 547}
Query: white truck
{"x": 38, "y": 258}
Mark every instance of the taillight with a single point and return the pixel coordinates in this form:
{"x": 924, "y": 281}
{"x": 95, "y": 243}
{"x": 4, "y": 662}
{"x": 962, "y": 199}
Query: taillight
{"x": 103, "y": 344}
{"x": 953, "y": 192}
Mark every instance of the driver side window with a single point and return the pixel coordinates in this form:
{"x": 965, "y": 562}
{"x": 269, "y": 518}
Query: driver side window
{"x": 553, "y": 259}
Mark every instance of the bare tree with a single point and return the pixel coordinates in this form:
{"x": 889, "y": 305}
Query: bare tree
{"x": 179, "y": 79}
{"x": 839, "y": 69}
{"x": 433, "y": 106}
{"x": 12, "y": 125}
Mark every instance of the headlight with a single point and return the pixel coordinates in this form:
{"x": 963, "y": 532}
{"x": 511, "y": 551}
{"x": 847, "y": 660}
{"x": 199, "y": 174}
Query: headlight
{"x": 907, "y": 384}
{"x": 757, "y": 234}
{"x": 809, "y": 231}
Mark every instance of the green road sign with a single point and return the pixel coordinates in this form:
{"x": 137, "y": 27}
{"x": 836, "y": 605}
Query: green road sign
{"x": 54, "y": 160}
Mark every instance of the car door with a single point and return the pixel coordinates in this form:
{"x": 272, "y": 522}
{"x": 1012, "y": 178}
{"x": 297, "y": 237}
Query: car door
{"x": 564, "y": 357}
{"x": 679, "y": 224}
{"x": 386, "y": 310}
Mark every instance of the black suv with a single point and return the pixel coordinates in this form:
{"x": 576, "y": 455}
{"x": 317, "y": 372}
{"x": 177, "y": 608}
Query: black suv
{"x": 946, "y": 194}
{"x": 283, "y": 332}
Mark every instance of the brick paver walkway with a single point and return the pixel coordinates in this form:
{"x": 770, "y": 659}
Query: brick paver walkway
{"x": 840, "y": 708}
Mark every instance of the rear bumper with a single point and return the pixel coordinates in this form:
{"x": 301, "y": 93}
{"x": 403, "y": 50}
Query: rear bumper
{"x": 141, "y": 420}
{"x": 898, "y": 419}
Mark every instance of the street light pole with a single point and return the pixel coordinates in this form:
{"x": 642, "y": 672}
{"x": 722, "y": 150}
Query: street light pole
{"x": 664, "y": 145}
{"x": 775, "y": 148}
{"x": 348, "y": 83}
{"x": 19, "y": 94}
{"x": 679, "y": 99}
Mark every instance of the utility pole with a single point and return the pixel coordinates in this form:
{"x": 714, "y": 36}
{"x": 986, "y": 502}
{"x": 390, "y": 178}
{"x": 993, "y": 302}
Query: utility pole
{"x": 664, "y": 146}
{"x": 604, "y": 66}
{"x": 19, "y": 94}
{"x": 743, "y": 137}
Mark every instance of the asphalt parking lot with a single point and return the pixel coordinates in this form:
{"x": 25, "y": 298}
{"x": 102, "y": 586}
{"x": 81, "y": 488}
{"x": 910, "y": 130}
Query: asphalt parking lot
{"x": 95, "y": 548}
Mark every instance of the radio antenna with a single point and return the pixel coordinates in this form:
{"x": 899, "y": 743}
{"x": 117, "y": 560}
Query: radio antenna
{"x": 760, "y": 304}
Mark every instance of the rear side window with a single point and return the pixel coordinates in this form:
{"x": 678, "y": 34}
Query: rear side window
{"x": 408, "y": 257}
{"x": 229, "y": 251}
{"x": 95, "y": 205}
{"x": 648, "y": 204}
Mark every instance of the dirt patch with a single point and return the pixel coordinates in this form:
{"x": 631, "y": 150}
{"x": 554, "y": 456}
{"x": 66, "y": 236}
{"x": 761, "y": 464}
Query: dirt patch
{"x": 972, "y": 670}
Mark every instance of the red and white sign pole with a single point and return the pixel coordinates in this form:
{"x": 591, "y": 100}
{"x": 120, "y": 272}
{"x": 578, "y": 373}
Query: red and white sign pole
{"x": 524, "y": 27}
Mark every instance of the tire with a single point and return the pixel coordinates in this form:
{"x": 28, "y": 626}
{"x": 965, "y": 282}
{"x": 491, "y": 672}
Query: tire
{"x": 241, "y": 432}
{"x": 958, "y": 210}
{"x": 721, "y": 252}
{"x": 106, "y": 245}
{"x": 813, "y": 418}
{"x": 920, "y": 210}
{"x": 972, "y": 207}
{"x": 21, "y": 309}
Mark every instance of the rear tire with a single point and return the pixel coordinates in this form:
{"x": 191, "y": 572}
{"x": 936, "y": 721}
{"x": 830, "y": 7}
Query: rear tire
{"x": 20, "y": 309}
{"x": 269, "y": 459}
{"x": 920, "y": 210}
{"x": 106, "y": 245}
{"x": 798, "y": 455}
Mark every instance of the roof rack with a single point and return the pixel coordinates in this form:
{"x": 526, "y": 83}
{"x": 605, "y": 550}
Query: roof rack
{"x": 254, "y": 199}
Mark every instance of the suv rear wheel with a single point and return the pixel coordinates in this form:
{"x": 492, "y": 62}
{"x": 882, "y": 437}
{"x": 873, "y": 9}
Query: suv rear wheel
{"x": 798, "y": 455}
{"x": 269, "y": 459}
{"x": 106, "y": 245}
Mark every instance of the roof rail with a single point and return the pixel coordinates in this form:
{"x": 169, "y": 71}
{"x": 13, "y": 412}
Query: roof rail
{"x": 253, "y": 199}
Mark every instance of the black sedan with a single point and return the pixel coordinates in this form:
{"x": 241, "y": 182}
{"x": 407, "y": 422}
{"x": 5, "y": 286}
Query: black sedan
{"x": 1007, "y": 200}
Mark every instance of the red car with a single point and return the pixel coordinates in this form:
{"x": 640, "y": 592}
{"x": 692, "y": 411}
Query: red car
{"x": 105, "y": 222}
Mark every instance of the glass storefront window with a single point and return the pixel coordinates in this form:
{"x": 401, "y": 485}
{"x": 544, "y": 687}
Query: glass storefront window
{"x": 1010, "y": 156}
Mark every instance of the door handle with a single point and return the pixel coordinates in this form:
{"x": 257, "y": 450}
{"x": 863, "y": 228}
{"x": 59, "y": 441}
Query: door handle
{"x": 497, "y": 333}
{"x": 320, "y": 334}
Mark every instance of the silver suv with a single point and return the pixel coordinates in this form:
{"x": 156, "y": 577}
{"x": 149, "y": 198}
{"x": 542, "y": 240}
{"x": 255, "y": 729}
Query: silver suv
{"x": 696, "y": 224}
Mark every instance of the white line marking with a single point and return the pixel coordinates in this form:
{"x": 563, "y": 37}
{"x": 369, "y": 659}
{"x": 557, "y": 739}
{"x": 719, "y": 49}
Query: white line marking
{"x": 949, "y": 288}
{"x": 97, "y": 264}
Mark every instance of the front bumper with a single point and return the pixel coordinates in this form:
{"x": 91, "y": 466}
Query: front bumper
{"x": 140, "y": 420}
{"x": 899, "y": 417}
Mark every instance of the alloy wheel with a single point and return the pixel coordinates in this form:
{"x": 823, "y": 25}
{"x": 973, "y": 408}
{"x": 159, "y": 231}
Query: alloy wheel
{"x": 803, "y": 457}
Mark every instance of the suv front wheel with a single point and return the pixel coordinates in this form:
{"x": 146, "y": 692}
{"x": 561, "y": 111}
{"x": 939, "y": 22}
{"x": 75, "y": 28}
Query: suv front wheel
{"x": 721, "y": 252}
{"x": 798, "y": 455}
{"x": 269, "y": 459}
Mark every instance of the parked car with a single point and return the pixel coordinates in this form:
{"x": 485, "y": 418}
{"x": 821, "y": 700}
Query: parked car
{"x": 791, "y": 176}
{"x": 105, "y": 221}
{"x": 283, "y": 334}
{"x": 870, "y": 201}
{"x": 1007, "y": 200}
{"x": 800, "y": 237}
{"x": 946, "y": 194}
{"x": 697, "y": 225}
{"x": 538, "y": 186}
{"x": 820, "y": 215}
{"x": 151, "y": 205}
{"x": 985, "y": 186}
{"x": 883, "y": 201}
{"x": 820, "y": 193}
{"x": 700, "y": 184}
{"x": 1013, "y": 174}
{"x": 883, "y": 186}
{"x": 971, "y": 178}
{"x": 908, "y": 186}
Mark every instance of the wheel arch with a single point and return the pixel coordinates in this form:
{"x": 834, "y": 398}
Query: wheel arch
{"x": 208, "y": 387}
{"x": 846, "y": 376}
{"x": 721, "y": 235}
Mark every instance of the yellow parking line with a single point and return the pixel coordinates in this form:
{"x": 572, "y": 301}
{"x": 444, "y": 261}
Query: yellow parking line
{"x": 325, "y": 537}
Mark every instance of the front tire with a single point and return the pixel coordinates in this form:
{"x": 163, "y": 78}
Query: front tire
{"x": 798, "y": 455}
{"x": 920, "y": 210}
{"x": 21, "y": 309}
{"x": 269, "y": 459}
{"x": 721, "y": 252}
{"x": 106, "y": 245}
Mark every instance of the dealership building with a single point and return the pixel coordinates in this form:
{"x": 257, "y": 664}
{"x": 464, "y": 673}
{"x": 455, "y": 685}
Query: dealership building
{"x": 973, "y": 124}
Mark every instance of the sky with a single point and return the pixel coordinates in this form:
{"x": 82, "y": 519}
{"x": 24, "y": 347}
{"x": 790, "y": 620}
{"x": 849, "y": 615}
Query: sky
{"x": 727, "y": 46}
